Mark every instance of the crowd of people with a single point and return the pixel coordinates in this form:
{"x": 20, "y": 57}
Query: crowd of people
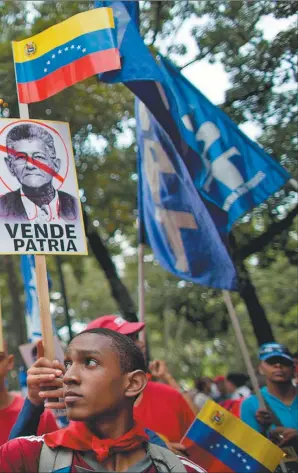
{"x": 126, "y": 414}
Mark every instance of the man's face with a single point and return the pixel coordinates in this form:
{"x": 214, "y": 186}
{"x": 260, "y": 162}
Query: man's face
{"x": 30, "y": 173}
{"x": 93, "y": 382}
{"x": 277, "y": 369}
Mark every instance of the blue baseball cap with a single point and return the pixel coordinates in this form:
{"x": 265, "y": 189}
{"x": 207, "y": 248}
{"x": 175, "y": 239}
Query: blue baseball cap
{"x": 269, "y": 350}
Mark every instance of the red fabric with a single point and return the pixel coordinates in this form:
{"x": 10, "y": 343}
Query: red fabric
{"x": 8, "y": 417}
{"x": 163, "y": 410}
{"x": 117, "y": 324}
{"x": 65, "y": 76}
{"x": 233, "y": 405}
{"x": 22, "y": 456}
{"x": 78, "y": 437}
{"x": 208, "y": 461}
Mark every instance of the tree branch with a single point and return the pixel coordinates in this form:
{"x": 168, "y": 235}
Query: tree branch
{"x": 157, "y": 21}
{"x": 258, "y": 243}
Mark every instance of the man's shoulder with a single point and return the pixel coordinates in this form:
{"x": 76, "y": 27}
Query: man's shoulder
{"x": 64, "y": 196}
{"x": 10, "y": 197}
{"x": 155, "y": 387}
{"x": 21, "y": 454}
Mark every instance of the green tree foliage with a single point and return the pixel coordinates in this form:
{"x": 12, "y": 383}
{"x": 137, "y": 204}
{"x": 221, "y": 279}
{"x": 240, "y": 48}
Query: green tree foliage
{"x": 187, "y": 324}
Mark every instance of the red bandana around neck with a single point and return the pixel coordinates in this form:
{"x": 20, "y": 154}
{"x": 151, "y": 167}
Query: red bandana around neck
{"x": 78, "y": 437}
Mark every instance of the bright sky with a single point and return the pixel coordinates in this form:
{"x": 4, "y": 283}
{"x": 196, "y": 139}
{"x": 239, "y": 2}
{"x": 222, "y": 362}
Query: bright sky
{"x": 211, "y": 79}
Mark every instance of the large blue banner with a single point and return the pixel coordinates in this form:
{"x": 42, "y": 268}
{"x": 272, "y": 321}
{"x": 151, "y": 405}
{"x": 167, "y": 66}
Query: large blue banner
{"x": 235, "y": 173}
{"x": 229, "y": 170}
{"x": 177, "y": 224}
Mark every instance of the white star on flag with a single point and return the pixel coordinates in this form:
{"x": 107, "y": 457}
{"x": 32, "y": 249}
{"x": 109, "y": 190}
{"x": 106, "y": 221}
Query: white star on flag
{"x": 79, "y": 47}
{"x": 84, "y": 50}
{"x": 48, "y": 62}
{"x": 45, "y": 70}
{"x": 53, "y": 56}
{"x": 60, "y": 51}
{"x": 66, "y": 49}
{"x": 72, "y": 46}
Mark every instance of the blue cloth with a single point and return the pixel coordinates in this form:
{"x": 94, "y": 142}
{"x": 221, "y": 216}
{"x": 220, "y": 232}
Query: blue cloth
{"x": 230, "y": 170}
{"x": 28, "y": 420}
{"x": 288, "y": 415}
{"x": 32, "y": 308}
{"x": 178, "y": 226}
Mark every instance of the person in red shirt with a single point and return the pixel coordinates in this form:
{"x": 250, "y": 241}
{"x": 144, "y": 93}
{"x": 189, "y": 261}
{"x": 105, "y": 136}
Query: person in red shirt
{"x": 11, "y": 404}
{"x": 160, "y": 408}
{"x": 104, "y": 375}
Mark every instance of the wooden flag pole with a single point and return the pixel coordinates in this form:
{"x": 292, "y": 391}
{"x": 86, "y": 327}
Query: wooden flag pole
{"x": 243, "y": 348}
{"x": 141, "y": 289}
{"x": 41, "y": 280}
{"x": 1, "y": 330}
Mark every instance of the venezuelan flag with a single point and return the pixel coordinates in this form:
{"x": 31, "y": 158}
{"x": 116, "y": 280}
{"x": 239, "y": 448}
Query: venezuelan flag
{"x": 66, "y": 53}
{"x": 220, "y": 442}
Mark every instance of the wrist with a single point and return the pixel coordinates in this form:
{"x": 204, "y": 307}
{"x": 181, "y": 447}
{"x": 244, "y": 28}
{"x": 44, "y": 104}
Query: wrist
{"x": 37, "y": 402}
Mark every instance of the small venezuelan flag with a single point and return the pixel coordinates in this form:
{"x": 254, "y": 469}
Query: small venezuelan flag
{"x": 66, "y": 53}
{"x": 220, "y": 442}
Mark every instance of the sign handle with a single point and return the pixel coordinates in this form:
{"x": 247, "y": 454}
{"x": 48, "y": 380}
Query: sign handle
{"x": 1, "y": 329}
{"x": 243, "y": 348}
{"x": 41, "y": 276}
{"x": 42, "y": 287}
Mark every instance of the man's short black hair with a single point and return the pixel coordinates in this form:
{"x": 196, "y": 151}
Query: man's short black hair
{"x": 130, "y": 356}
{"x": 238, "y": 379}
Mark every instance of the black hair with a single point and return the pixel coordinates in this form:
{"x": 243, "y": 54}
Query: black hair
{"x": 238, "y": 379}
{"x": 130, "y": 356}
{"x": 31, "y": 131}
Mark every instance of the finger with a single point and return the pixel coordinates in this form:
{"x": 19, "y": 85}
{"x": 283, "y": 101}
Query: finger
{"x": 56, "y": 383}
{"x": 51, "y": 393}
{"x": 33, "y": 371}
{"x": 38, "y": 379}
{"x": 58, "y": 365}
{"x": 55, "y": 405}
{"x": 43, "y": 362}
{"x": 40, "y": 349}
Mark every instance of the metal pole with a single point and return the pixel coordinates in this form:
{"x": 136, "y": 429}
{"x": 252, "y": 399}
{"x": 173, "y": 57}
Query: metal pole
{"x": 243, "y": 348}
{"x": 64, "y": 295}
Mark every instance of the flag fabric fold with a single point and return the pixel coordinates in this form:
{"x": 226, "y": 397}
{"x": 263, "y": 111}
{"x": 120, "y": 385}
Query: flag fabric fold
{"x": 66, "y": 53}
{"x": 177, "y": 224}
{"x": 230, "y": 171}
{"x": 225, "y": 444}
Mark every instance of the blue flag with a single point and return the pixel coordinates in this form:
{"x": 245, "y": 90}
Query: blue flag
{"x": 177, "y": 224}
{"x": 230, "y": 171}
{"x": 235, "y": 173}
{"x": 32, "y": 307}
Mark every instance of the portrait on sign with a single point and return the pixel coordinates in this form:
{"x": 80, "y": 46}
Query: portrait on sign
{"x": 39, "y": 203}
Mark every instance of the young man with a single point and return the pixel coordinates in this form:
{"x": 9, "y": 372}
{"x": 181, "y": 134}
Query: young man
{"x": 105, "y": 374}
{"x": 11, "y": 404}
{"x": 279, "y": 394}
{"x": 160, "y": 408}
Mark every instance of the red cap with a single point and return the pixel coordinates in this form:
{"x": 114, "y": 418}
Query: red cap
{"x": 116, "y": 323}
{"x": 218, "y": 379}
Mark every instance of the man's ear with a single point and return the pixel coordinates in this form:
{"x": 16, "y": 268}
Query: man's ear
{"x": 57, "y": 164}
{"x": 10, "y": 363}
{"x": 9, "y": 165}
{"x": 137, "y": 381}
{"x": 260, "y": 369}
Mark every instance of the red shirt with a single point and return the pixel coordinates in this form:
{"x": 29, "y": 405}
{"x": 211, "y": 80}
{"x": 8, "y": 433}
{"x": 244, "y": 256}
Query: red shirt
{"x": 164, "y": 410}
{"x": 21, "y": 455}
{"x": 8, "y": 417}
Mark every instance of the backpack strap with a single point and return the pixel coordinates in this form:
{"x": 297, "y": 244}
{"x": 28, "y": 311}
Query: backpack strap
{"x": 165, "y": 460}
{"x": 55, "y": 460}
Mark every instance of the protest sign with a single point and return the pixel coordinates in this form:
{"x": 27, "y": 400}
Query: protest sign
{"x": 40, "y": 210}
